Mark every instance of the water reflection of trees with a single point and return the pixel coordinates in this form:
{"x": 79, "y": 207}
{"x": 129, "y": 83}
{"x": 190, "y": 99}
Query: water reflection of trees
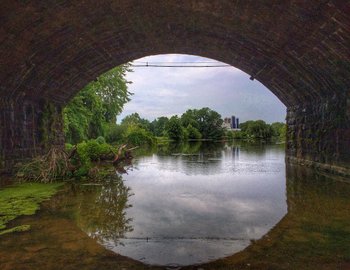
{"x": 101, "y": 209}
{"x": 184, "y": 148}
{"x": 257, "y": 148}
{"x": 191, "y": 158}
{"x": 210, "y": 157}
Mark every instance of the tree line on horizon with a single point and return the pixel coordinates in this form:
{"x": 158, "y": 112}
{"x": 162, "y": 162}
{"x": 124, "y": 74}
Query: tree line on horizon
{"x": 93, "y": 135}
{"x": 92, "y": 114}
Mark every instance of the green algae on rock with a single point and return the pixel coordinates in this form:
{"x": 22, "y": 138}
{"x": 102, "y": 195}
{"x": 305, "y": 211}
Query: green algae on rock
{"x": 23, "y": 199}
{"x": 21, "y": 228}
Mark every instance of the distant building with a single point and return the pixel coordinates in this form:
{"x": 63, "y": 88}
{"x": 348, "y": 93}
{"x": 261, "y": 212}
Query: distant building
{"x": 227, "y": 123}
{"x": 231, "y": 123}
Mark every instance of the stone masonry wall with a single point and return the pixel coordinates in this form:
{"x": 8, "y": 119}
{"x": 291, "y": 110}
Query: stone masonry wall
{"x": 298, "y": 49}
{"x": 318, "y": 134}
{"x": 27, "y": 128}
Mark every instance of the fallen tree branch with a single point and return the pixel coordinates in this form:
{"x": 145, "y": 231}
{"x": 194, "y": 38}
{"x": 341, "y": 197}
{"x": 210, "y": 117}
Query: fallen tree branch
{"x": 118, "y": 156}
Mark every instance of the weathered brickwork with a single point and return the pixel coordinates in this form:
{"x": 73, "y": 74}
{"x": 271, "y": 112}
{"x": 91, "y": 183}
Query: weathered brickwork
{"x": 298, "y": 49}
{"x": 319, "y": 134}
{"x": 27, "y": 128}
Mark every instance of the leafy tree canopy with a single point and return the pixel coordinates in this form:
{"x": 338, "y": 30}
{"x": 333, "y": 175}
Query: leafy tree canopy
{"x": 174, "y": 129}
{"x": 96, "y": 105}
{"x": 135, "y": 120}
{"x": 207, "y": 121}
{"x": 257, "y": 129}
{"x": 158, "y": 126}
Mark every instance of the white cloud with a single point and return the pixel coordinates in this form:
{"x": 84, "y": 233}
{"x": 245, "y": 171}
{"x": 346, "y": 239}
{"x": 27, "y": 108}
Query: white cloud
{"x": 168, "y": 91}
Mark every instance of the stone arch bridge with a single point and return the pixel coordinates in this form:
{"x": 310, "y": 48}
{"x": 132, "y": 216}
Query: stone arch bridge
{"x": 299, "y": 50}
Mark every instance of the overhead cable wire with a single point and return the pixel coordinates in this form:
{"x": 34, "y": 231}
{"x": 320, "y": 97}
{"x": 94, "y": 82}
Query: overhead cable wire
{"x": 177, "y": 62}
{"x": 180, "y": 66}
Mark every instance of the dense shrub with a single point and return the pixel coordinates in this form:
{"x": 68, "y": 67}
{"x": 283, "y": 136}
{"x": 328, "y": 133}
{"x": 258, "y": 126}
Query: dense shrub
{"x": 174, "y": 129}
{"x": 68, "y": 147}
{"x": 100, "y": 140}
{"x": 92, "y": 150}
{"x": 257, "y": 129}
{"x": 115, "y": 133}
{"x": 193, "y": 133}
{"x": 136, "y": 135}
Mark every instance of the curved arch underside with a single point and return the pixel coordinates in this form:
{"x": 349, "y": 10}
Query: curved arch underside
{"x": 297, "y": 49}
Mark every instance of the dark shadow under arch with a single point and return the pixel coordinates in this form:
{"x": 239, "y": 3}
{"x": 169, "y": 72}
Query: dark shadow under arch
{"x": 298, "y": 50}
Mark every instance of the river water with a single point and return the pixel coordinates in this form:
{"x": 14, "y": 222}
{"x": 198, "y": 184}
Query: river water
{"x": 202, "y": 203}
{"x": 187, "y": 204}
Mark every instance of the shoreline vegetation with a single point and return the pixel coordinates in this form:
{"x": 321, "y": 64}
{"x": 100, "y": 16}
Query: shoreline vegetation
{"x": 92, "y": 115}
{"x": 90, "y": 124}
{"x": 93, "y": 137}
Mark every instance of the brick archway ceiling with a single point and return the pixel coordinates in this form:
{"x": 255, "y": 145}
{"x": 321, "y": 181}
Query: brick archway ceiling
{"x": 297, "y": 49}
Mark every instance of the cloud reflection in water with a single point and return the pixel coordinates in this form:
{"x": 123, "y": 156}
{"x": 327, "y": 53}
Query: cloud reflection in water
{"x": 194, "y": 208}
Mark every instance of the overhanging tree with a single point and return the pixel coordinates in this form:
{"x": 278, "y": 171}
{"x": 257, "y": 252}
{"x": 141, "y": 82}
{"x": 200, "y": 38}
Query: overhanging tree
{"x": 95, "y": 107}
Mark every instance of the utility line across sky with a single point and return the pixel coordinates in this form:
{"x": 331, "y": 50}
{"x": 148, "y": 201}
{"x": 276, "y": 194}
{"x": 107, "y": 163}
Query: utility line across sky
{"x": 180, "y": 64}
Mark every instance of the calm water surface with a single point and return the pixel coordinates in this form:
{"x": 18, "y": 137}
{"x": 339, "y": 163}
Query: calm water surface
{"x": 204, "y": 203}
{"x": 191, "y": 204}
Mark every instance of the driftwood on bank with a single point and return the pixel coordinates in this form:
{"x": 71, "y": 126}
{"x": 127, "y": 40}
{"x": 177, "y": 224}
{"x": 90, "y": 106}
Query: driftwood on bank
{"x": 57, "y": 163}
{"x": 53, "y": 165}
{"x": 121, "y": 156}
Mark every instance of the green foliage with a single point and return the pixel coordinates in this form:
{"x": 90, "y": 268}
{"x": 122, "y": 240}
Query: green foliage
{"x": 229, "y": 135}
{"x": 257, "y": 129}
{"x": 174, "y": 129}
{"x": 207, "y": 121}
{"x": 89, "y": 113}
{"x": 279, "y": 130}
{"x": 68, "y": 147}
{"x": 193, "y": 125}
{"x": 193, "y": 133}
{"x": 190, "y": 117}
{"x": 115, "y": 133}
{"x": 235, "y": 134}
{"x": 185, "y": 134}
{"x": 136, "y": 135}
{"x": 92, "y": 150}
{"x": 251, "y": 130}
{"x": 283, "y": 133}
{"x": 21, "y": 228}
{"x": 157, "y": 126}
{"x": 134, "y": 119}
{"x": 238, "y": 134}
{"x": 112, "y": 88}
{"x": 100, "y": 140}
{"x": 23, "y": 199}
{"x": 84, "y": 116}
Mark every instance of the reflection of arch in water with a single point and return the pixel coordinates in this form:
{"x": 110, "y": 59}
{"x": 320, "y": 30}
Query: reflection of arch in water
{"x": 314, "y": 233}
{"x": 318, "y": 216}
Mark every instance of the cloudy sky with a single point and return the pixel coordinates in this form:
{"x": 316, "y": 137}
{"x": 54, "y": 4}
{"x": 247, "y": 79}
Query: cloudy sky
{"x": 227, "y": 90}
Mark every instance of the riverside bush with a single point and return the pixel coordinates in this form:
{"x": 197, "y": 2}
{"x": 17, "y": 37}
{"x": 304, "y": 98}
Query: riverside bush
{"x": 92, "y": 150}
{"x": 136, "y": 135}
